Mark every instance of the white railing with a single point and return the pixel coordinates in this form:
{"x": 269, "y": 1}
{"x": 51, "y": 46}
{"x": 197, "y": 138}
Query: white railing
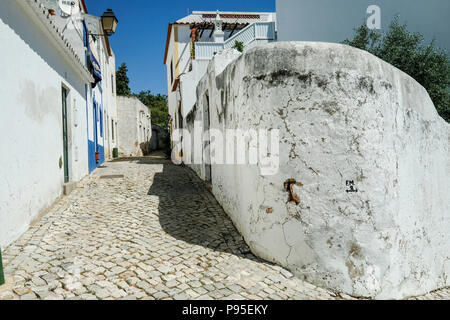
{"x": 265, "y": 31}
{"x": 245, "y": 36}
{"x": 206, "y": 50}
{"x": 248, "y": 35}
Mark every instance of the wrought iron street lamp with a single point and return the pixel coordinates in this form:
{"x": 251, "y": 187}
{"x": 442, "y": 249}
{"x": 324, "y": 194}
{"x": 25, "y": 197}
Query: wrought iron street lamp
{"x": 109, "y": 22}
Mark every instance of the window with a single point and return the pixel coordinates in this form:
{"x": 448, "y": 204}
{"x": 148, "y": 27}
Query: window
{"x": 101, "y": 123}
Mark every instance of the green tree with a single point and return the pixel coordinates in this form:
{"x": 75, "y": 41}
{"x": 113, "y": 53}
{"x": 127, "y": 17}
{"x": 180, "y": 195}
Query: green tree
{"x": 157, "y": 105}
{"x": 122, "y": 81}
{"x": 427, "y": 64}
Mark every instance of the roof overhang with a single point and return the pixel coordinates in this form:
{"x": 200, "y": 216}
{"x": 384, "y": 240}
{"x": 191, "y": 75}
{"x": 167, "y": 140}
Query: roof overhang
{"x": 37, "y": 12}
{"x": 84, "y": 7}
{"x": 169, "y": 34}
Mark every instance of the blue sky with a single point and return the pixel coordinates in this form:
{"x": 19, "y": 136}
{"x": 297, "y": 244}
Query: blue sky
{"x": 142, "y": 31}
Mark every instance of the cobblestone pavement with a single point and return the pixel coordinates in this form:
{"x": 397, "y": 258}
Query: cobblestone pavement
{"x": 157, "y": 233}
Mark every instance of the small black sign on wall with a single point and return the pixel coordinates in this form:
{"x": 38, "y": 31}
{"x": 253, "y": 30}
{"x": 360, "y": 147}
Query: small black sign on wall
{"x": 351, "y": 186}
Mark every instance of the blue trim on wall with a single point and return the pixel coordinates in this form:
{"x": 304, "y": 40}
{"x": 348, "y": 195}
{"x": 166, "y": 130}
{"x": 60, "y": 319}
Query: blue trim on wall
{"x": 101, "y": 151}
{"x": 91, "y": 151}
{"x": 96, "y": 145}
{"x": 93, "y": 164}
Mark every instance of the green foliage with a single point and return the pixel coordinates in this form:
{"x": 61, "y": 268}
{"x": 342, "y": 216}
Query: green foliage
{"x": 239, "y": 46}
{"x": 427, "y": 64}
{"x": 122, "y": 81}
{"x": 364, "y": 39}
{"x": 157, "y": 105}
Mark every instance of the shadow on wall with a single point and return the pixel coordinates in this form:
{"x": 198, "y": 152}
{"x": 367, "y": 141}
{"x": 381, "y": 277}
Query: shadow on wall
{"x": 145, "y": 148}
{"x": 160, "y": 138}
{"x": 190, "y": 213}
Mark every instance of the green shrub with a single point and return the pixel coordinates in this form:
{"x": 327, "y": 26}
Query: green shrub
{"x": 427, "y": 64}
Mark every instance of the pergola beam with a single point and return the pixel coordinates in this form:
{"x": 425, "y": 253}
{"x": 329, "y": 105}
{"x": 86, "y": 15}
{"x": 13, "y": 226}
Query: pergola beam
{"x": 234, "y": 29}
{"x": 206, "y": 25}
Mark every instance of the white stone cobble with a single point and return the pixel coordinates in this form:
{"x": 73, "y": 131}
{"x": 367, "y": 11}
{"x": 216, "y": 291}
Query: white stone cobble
{"x": 155, "y": 234}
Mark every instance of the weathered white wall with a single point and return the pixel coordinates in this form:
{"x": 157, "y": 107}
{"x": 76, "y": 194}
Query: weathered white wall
{"x": 134, "y": 126}
{"x": 343, "y": 114}
{"x": 33, "y": 72}
{"x": 108, "y": 101}
{"x": 188, "y": 85}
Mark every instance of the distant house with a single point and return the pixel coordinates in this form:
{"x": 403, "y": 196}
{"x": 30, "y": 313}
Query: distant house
{"x": 135, "y": 127}
{"x": 192, "y": 42}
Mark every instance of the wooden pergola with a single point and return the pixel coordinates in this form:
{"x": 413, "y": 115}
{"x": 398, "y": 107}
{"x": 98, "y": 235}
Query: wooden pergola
{"x": 200, "y": 27}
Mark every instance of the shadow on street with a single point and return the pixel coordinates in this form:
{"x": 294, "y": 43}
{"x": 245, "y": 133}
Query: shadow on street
{"x": 189, "y": 212}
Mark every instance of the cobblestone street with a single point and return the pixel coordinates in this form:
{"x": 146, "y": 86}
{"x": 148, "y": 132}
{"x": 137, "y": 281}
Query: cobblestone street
{"x": 155, "y": 233}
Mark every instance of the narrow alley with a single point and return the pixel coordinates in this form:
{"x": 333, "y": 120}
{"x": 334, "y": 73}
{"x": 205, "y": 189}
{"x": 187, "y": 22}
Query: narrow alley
{"x": 156, "y": 233}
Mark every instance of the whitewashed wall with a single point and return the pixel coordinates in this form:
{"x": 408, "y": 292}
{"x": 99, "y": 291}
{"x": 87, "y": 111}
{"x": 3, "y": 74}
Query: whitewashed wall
{"x": 32, "y": 73}
{"x": 343, "y": 114}
{"x": 188, "y": 85}
{"x": 109, "y": 101}
{"x": 134, "y": 126}
{"x": 111, "y": 105}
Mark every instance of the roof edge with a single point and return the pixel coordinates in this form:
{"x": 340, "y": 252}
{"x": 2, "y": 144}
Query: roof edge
{"x": 83, "y": 3}
{"x": 233, "y": 12}
{"x": 169, "y": 33}
{"x": 36, "y": 9}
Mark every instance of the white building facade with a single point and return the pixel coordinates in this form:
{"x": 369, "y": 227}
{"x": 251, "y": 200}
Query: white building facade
{"x": 194, "y": 40}
{"x": 135, "y": 127}
{"x": 43, "y": 85}
{"x": 46, "y": 95}
{"x": 358, "y": 201}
